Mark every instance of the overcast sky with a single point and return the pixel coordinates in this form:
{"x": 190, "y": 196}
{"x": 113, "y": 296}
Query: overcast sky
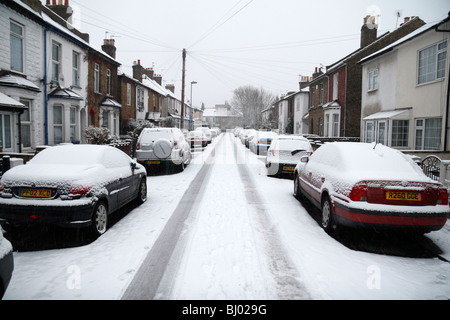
{"x": 232, "y": 43}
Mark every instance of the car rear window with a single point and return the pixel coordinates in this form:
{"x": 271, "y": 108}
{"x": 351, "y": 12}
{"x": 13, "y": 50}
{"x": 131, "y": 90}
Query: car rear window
{"x": 290, "y": 145}
{"x": 153, "y": 135}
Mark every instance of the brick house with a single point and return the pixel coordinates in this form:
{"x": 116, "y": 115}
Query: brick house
{"x": 103, "y": 88}
{"x": 335, "y": 96}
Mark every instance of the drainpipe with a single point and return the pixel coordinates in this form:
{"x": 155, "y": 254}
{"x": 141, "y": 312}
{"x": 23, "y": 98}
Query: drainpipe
{"x": 45, "y": 85}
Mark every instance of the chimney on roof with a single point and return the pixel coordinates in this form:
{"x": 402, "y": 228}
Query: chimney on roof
{"x": 369, "y": 31}
{"x": 109, "y": 47}
{"x": 171, "y": 87}
{"x": 149, "y": 72}
{"x": 304, "y": 82}
{"x": 317, "y": 73}
{"x": 158, "y": 78}
{"x": 62, "y": 9}
{"x": 138, "y": 70}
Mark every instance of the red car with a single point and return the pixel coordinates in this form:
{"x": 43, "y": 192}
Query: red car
{"x": 361, "y": 184}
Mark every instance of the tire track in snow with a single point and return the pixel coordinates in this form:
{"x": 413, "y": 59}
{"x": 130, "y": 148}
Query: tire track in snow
{"x": 286, "y": 276}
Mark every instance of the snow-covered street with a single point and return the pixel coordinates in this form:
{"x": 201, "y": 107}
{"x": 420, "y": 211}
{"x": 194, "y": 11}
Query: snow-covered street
{"x": 245, "y": 238}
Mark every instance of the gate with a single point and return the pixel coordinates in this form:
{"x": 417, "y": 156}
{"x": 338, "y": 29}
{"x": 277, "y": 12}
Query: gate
{"x": 431, "y": 166}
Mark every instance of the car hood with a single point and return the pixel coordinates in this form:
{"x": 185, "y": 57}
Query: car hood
{"x": 52, "y": 175}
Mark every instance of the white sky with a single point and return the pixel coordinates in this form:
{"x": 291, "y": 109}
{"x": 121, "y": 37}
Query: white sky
{"x": 232, "y": 43}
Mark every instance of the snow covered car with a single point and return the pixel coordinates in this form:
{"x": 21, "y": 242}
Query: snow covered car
{"x": 284, "y": 154}
{"x": 197, "y": 139}
{"x": 261, "y": 141}
{"x": 6, "y": 263}
{"x": 207, "y": 132}
{"x": 370, "y": 185}
{"x": 71, "y": 186}
{"x": 163, "y": 146}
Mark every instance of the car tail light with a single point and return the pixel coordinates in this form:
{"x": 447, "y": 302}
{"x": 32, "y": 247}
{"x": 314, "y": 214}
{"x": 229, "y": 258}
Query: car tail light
{"x": 1, "y": 187}
{"x": 273, "y": 152}
{"x": 138, "y": 146}
{"x": 359, "y": 193}
{"x": 443, "y": 196}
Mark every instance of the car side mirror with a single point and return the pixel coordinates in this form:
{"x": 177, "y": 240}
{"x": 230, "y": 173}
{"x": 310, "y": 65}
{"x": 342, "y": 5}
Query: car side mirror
{"x": 133, "y": 165}
{"x": 304, "y": 159}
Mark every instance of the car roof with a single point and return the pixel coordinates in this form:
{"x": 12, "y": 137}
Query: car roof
{"x": 368, "y": 161}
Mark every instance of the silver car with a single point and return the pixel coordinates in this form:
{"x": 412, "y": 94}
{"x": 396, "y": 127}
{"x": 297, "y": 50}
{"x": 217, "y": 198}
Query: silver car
{"x": 163, "y": 146}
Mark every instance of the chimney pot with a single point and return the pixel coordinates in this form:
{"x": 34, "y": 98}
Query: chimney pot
{"x": 407, "y": 19}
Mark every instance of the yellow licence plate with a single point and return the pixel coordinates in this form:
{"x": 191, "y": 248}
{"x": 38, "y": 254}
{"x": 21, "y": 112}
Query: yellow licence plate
{"x": 404, "y": 196}
{"x": 35, "y": 193}
{"x": 288, "y": 168}
{"x": 153, "y": 162}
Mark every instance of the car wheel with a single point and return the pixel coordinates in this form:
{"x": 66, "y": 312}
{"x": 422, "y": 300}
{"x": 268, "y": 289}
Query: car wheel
{"x": 142, "y": 192}
{"x": 328, "y": 223}
{"x": 297, "y": 192}
{"x": 181, "y": 166}
{"x": 100, "y": 218}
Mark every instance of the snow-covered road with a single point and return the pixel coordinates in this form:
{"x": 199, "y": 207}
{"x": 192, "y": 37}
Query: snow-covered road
{"x": 246, "y": 237}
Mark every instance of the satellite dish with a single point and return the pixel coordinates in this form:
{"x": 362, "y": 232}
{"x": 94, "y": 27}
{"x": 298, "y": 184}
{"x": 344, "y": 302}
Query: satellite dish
{"x": 61, "y": 81}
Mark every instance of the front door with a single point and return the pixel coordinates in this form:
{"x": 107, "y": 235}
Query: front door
{"x": 382, "y": 132}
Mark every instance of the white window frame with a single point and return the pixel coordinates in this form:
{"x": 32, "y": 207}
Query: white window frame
{"x": 73, "y": 124}
{"x": 373, "y": 80}
{"x": 421, "y": 132}
{"x": 108, "y": 82}
{"x": 25, "y": 122}
{"x": 5, "y": 134}
{"x": 97, "y": 78}
{"x": 56, "y": 61}
{"x": 431, "y": 67}
{"x": 57, "y": 125}
{"x": 396, "y": 143}
{"x": 76, "y": 68}
{"x": 128, "y": 94}
{"x": 21, "y": 38}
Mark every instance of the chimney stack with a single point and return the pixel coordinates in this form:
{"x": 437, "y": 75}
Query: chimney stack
{"x": 317, "y": 73}
{"x": 109, "y": 47}
{"x": 171, "y": 87}
{"x": 34, "y": 4}
{"x": 158, "y": 78}
{"x": 369, "y": 31}
{"x": 138, "y": 70}
{"x": 61, "y": 9}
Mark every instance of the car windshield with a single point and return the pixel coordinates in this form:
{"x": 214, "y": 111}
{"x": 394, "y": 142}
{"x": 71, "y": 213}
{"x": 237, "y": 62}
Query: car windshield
{"x": 155, "y": 135}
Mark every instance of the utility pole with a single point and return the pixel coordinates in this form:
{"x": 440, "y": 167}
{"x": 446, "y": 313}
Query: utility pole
{"x": 182, "y": 90}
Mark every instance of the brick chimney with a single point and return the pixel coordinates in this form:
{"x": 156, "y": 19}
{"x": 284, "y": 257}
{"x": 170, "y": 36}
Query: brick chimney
{"x": 109, "y": 47}
{"x": 368, "y": 31}
{"x": 138, "y": 70}
{"x": 171, "y": 87}
{"x": 317, "y": 73}
{"x": 304, "y": 82}
{"x": 61, "y": 8}
{"x": 158, "y": 78}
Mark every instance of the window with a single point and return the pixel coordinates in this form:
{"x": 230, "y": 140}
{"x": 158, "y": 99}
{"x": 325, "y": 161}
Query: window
{"x": 25, "y": 124}
{"x": 321, "y": 94}
{"x": 97, "y": 78}
{"x": 108, "y": 82}
{"x": 327, "y": 125}
{"x": 75, "y": 68}
{"x": 57, "y": 124}
{"x": 428, "y": 134}
{"x": 56, "y": 60}
{"x": 335, "y": 125}
{"x": 400, "y": 133}
{"x": 106, "y": 119}
{"x": 5, "y": 131}
{"x": 73, "y": 124}
{"x": 373, "y": 80}
{"x": 16, "y": 43}
{"x": 432, "y": 62}
{"x": 369, "y": 132}
{"x": 128, "y": 94}
{"x": 335, "y": 86}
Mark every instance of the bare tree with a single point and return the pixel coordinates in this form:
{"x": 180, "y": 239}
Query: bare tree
{"x": 251, "y": 101}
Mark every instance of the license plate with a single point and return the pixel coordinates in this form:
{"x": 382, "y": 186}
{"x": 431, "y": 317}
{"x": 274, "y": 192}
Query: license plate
{"x": 153, "y": 162}
{"x": 404, "y": 196}
{"x": 35, "y": 193}
{"x": 288, "y": 168}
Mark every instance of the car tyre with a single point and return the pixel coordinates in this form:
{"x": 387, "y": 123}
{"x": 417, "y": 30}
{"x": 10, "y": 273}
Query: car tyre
{"x": 100, "y": 219}
{"x": 328, "y": 223}
{"x": 142, "y": 191}
{"x": 297, "y": 192}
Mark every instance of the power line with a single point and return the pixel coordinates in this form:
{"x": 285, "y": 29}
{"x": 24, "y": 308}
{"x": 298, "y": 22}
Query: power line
{"x": 216, "y": 26}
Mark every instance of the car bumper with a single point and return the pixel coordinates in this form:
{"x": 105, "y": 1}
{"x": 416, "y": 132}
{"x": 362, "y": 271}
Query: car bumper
{"x": 281, "y": 168}
{"x": 69, "y": 213}
{"x": 427, "y": 218}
